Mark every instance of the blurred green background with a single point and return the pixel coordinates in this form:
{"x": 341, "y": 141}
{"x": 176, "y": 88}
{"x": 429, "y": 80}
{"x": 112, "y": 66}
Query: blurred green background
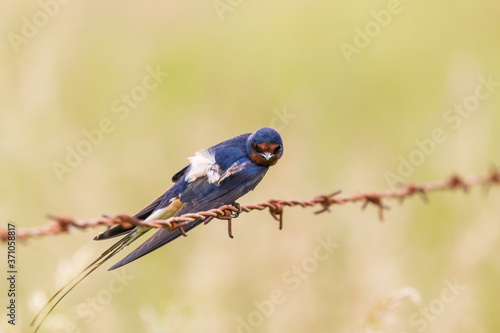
{"x": 347, "y": 119}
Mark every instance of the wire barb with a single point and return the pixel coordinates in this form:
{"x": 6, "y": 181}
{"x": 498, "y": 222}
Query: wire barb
{"x": 326, "y": 201}
{"x": 377, "y": 201}
{"x": 276, "y": 211}
{"x": 61, "y": 225}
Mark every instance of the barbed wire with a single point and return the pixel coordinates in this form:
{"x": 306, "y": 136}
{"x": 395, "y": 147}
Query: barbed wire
{"x": 228, "y": 212}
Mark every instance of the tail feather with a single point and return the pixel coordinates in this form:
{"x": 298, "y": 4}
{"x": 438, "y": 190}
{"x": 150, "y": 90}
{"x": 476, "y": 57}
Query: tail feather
{"x": 160, "y": 238}
{"x": 105, "y": 256}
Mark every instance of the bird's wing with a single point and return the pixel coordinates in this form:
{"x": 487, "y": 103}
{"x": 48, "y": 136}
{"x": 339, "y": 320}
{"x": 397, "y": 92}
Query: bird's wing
{"x": 203, "y": 196}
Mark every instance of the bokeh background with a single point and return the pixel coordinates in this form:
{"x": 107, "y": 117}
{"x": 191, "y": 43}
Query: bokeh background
{"x": 347, "y": 119}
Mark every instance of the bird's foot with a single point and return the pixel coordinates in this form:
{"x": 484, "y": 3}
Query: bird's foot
{"x": 238, "y": 207}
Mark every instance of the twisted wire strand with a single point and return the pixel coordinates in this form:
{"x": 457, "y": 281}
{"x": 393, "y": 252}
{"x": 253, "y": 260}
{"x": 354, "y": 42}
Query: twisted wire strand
{"x": 61, "y": 225}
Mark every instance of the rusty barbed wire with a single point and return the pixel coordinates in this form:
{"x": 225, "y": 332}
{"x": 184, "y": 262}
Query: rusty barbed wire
{"x": 275, "y": 207}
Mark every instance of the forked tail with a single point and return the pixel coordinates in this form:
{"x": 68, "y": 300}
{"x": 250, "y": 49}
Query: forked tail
{"x": 54, "y": 300}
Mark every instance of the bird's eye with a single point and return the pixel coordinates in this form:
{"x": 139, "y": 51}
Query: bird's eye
{"x": 256, "y": 148}
{"x": 277, "y": 149}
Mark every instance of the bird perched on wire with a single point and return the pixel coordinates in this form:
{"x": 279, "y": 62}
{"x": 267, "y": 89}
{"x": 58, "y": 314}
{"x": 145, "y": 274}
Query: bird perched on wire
{"x": 214, "y": 177}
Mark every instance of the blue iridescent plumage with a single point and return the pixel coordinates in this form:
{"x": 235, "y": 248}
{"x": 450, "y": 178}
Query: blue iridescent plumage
{"x": 200, "y": 194}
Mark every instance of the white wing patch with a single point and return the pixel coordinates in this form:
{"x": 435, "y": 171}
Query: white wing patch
{"x": 203, "y": 165}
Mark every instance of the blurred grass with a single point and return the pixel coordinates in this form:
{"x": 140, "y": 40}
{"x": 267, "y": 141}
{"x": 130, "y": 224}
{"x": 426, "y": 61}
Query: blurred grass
{"x": 351, "y": 122}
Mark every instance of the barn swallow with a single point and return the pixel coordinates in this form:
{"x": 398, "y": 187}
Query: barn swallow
{"x": 214, "y": 177}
